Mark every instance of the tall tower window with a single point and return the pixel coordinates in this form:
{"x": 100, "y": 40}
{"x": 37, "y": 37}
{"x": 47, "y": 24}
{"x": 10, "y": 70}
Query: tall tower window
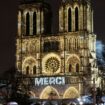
{"x": 34, "y": 70}
{"x": 27, "y": 24}
{"x": 77, "y": 67}
{"x": 69, "y": 20}
{"x": 76, "y": 19}
{"x": 47, "y": 21}
{"x": 70, "y": 67}
{"x": 34, "y": 23}
{"x": 27, "y": 70}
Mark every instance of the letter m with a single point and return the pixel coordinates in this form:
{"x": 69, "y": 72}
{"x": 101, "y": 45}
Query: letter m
{"x": 38, "y": 81}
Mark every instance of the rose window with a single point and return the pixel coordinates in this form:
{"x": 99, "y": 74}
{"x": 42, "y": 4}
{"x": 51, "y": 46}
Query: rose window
{"x": 52, "y": 64}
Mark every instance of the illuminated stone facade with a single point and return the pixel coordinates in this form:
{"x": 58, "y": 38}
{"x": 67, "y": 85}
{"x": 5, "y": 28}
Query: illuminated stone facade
{"x": 71, "y": 53}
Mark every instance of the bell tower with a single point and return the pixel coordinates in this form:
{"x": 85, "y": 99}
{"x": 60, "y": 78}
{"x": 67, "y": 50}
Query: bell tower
{"x": 32, "y": 17}
{"x": 32, "y": 25}
{"x": 75, "y": 16}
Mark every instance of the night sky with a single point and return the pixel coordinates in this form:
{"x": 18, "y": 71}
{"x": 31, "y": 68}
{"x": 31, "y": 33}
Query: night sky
{"x": 8, "y": 28}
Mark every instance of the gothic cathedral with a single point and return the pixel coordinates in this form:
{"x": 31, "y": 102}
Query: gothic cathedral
{"x": 61, "y": 65}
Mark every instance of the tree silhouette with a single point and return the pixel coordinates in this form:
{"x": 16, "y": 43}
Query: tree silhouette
{"x": 14, "y": 81}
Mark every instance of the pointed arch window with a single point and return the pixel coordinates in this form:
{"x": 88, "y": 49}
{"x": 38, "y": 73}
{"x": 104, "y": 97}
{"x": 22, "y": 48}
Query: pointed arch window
{"x": 77, "y": 68}
{"x": 34, "y": 70}
{"x": 34, "y": 23}
{"x": 76, "y": 19}
{"x": 69, "y": 20}
{"x": 27, "y": 70}
{"x": 27, "y": 24}
{"x": 70, "y": 67}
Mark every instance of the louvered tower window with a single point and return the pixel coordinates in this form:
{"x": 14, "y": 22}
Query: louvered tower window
{"x": 69, "y": 20}
{"x": 34, "y": 23}
{"x": 76, "y": 19}
{"x": 27, "y": 24}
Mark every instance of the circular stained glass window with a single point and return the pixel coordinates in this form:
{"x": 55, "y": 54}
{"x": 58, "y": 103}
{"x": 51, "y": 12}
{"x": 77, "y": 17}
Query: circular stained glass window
{"x": 52, "y": 64}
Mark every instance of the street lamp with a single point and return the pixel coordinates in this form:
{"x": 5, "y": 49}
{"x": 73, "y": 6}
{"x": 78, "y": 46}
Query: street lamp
{"x": 80, "y": 101}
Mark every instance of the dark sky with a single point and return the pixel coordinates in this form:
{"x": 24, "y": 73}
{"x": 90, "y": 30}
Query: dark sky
{"x": 99, "y": 19}
{"x": 8, "y": 28}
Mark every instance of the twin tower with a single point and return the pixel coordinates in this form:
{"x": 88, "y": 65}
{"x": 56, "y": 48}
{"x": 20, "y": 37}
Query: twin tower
{"x": 36, "y": 17}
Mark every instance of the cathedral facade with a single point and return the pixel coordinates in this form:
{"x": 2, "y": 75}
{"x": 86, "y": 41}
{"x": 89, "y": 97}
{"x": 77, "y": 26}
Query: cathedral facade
{"x": 61, "y": 65}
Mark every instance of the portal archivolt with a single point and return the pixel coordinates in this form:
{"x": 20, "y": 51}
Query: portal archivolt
{"x": 49, "y": 93}
{"x": 71, "y": 93}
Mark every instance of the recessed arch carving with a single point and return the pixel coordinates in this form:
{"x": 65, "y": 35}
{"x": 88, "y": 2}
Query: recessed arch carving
{"x": 73, "y": 63}
{"x": 29, "y": 62}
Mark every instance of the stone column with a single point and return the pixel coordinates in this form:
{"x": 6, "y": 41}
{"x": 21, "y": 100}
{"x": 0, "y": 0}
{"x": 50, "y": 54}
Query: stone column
{"x": 19, "y": 23}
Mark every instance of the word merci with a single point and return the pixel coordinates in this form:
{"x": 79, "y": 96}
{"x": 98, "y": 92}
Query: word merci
{"x": 50, "y": 81}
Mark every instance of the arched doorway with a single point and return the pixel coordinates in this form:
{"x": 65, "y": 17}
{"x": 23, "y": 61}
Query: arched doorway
{"x": 49, "y": 93}
{"x": 71, "y": 93}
